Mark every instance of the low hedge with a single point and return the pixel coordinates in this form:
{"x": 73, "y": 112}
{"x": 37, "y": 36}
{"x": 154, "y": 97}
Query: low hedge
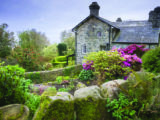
{"x": 60, "y": 60}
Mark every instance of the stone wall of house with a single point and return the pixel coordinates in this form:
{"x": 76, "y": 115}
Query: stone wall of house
{"x": 92, "y": 34}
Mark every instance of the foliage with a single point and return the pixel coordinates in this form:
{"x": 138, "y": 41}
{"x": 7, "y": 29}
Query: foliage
{"x": 32, "y": 103}
{"x": 50, "y": 52}
{"x": 70, "y": 42}
{"x": 86, "y": 75}
{"x": 33, "y": 40}
{"x": 29, "y": 51}
{"x": 68, "y": 38}
{"x": 72, "y": 70}
{"x": 34, "y": 77}
{"x": 145, "y": 89}
{"x": 13, "y": 85}
{"x": 6, "y": 41}
{"x": 59, "y": 79}
{"x": 63, "y": 90}
{"x": 108, "y": 65}
{"x": 28, "y": 58}
{"x": 47, "y": 66}
{"x": 122, "y": 108}
{"x": 151, "y": 60}
{"x": 61, "y": 48}
{"x": 60, "y": 60}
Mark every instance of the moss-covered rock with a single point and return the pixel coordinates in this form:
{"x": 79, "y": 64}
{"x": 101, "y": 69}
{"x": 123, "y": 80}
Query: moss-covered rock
{"x": 111, "y": 89}
{"x": 14, "y": 112}
{"x": 58, "y": 107}
{"x": 80, "y": 85}
{"x": 50, "y": 91}
{"x": 89, "y": 104}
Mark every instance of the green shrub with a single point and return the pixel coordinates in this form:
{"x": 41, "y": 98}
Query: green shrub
{"x": 61, "y": 61}
{"x": 32, "y": 103}
{"x": 72, "y": 70}
{"x": 61, "y": 58}
{"x": 28, "y": 58}
{"x": 144, "y": 87}
{"x": 122, "y": 108}
{"x": 151, "y": 60}
{"x": 86, "y": 75}
{"x": 63, "y": 90}
{"x": 34, "y": 77}
{"x": 59, "y": 64}
{"x": 108, "y": 65}
{"x": 14, "y": 88}
{"x": 62, "y": 47}
{"x": 13, "y": 85}
{"x": 59, "y": 79}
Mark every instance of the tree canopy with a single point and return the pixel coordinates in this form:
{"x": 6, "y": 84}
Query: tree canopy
{"x": 68, "y": 38}
{"x": 33, "y": 39}
{"x": 6, "y": 41}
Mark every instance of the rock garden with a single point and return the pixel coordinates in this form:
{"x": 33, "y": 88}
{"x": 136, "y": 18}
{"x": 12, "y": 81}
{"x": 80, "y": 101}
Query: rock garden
{"x": 120, "y": 84}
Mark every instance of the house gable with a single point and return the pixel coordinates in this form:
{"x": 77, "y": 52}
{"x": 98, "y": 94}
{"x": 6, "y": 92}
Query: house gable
{"x": 93, "y": 35}
{"x": 98, "y": 18}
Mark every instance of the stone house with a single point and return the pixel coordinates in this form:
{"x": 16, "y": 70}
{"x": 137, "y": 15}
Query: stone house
{"x": 95, "y": 33}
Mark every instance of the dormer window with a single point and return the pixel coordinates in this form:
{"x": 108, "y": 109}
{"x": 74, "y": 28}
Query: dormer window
{"x": 99, "y": 34}
{"x": 84, "y": 50}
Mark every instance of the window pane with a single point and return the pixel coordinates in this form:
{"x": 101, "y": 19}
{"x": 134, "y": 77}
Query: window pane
{"x": 99, "y": 34}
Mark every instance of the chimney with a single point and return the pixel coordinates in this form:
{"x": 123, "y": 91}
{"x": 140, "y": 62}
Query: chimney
{"x": 94, "y": 9}
{"x": 154, "y": 17}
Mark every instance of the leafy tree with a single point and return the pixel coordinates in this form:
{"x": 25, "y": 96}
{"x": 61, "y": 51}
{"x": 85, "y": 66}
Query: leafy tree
{"x": 50, "y": 52}
{"x": 6, "y": 41}
{"x": 70, "y": 42}
{"x": 61, "y": 48}
{"x": 29, "y": 52}
{"x": 68, "y": 38}
{"x": 33, "y": 39}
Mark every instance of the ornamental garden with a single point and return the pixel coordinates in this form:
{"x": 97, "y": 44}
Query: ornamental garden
{"x": 120, "y": 84}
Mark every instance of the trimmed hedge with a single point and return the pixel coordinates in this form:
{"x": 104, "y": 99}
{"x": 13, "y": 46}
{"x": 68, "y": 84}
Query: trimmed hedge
{"x": 61, "y": 60}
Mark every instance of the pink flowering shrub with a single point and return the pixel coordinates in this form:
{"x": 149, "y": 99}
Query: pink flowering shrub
{"x": 107, "y": 65}
{"x": 88, "y": 65}
{"x": 115, "y": 63}
{"x": 133, "y": 61}
{"x": 139, "y": 50}
{"x": 132, "y": 55}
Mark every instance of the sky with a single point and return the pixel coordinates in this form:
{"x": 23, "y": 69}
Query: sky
{"x": 51, "y": 17}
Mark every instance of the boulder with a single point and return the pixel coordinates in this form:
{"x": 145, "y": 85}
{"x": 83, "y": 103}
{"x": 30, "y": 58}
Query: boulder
{"x": 111, "y": 89}
{"x": 80, "y": 85}
{"x": 14, "y": 112}
{"x": 58, "y": 107}
{"x": 50, "y": 91}
{"x": 89, "y": 104}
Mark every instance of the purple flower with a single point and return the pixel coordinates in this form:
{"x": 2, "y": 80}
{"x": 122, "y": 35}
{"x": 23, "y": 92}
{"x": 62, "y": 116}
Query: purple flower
{"x": 126, "y": 64}
{"x": 88, "y": 65}
{"x": 125, "y": 77}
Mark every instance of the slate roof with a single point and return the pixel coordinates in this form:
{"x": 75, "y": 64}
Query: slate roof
{"x": 97, "y": 17}
{"x": 137, "y": 32}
